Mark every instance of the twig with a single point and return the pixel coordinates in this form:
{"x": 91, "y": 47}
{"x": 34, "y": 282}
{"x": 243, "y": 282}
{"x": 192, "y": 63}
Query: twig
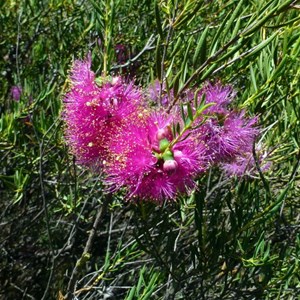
{"x": 170, "y": 33}
{"x": 291, "y": 179}
{"x": 147, "y": 47}
{"x": 68, "y": 245}
{"x": 266, "y": 186}
{"x": 85, "y": 255}
{"x": 23, "y": 291}
{"x": 17, "y": 48}
{"x": 41, "y": 177}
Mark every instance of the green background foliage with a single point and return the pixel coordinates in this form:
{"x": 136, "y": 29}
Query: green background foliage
{"x": 233, "y": 238}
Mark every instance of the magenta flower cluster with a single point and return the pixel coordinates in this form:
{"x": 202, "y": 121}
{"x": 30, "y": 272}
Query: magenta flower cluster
{"x": 115, "y": 127}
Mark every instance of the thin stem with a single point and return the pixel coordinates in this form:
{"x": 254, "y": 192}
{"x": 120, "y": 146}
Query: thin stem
{"x": 170, "y": 33}
{"x": 17, "y": 48}
{"x": 188, "y": 125}
{"x": 85, "y": 254}
{"x": 265, "y": 184}
{"x": 147, "y": 47}
{"x": 105, "y": 50}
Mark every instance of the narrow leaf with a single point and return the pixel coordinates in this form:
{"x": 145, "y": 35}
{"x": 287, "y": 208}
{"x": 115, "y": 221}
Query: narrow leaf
{"x": 190, "y": 112}
{"x": 182, "y": 113}
{"x": 232, "y": 18}
{"x": 158, "y": 60}
{"x": 176, "y": 47}
{"x": 175, "y": 84}
{"x": 158, "y": 21}
{"x": 216, "y": 39}
{"x": 201, "y": 48}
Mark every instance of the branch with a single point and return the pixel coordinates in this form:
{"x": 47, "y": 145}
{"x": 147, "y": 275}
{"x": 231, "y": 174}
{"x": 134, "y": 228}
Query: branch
{"x": 147, "y": 47}
{"x": 85, "y": 254}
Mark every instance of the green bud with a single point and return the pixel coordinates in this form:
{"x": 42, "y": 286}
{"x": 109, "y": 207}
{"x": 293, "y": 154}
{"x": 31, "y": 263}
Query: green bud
{"x": 163, "y": 145}
{"x": 99, "y": 81}
{"x": 168, "y": 155}
{"x": 157, "y": 155}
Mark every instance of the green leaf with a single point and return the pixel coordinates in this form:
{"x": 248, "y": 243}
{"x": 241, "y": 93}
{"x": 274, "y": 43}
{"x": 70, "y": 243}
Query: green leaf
{"x": 201, "y": 48}
{"x": 182, "y": 113}
{"x": 236, "y": 28}
{"x": 261, "y": 45}
{"x": 202, "y": 108}
{"x": 196, "y": 96}
{"x": 209, "y": 72}
{"x": 141, "y": 281}
{"x": 278, "y": 70}
{"x": 98, "y": 8}
{"x": 175, "y": 84}
{"x": 232, "y": 18}
{"x": 131, "y": 293}
{"x": 177, "y": 46}
{"x": 215, "y": 42}
{"x": 168, "y": 72}
{"x": 158, "y": 60}
{"x": 158, "y": 21}
{"x": 190, "y": 112}
{"x": 232, "y": 51}
{"x": 184, "y": 64}
{"x": 253, "y": 79}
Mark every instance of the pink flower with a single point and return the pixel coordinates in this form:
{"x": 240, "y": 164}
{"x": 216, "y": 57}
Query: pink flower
{"x": 93, "y": 113}
{"x": 137, "y": 163}
{"x": 218, "y": 94}
{"x": 244, "y": 165}
{"x": 225, "y": 133}
{"x": 158, "y": 93}
{"x": 228, "y": 136}
{"x": 108, "y": 124}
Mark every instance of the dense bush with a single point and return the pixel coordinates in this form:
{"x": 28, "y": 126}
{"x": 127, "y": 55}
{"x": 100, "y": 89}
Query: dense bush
{"x": 62, "y": 235}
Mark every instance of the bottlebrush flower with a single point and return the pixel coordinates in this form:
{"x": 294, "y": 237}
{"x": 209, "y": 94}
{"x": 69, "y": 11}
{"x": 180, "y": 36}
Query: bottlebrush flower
{"x": 244, "y": 165}
{"x": 94, "y": 111}
{"x": 226, "y": 133}
{"x": 158, "y": 93}
{"x": 218, "y": 94}
{"x": 229, "y": 136}
{"x": 108, "y": 124}
{"x": 136, "y": 160}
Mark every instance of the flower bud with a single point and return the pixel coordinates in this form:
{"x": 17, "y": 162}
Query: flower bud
{"x": 170, "y": 166}
{"x": 161, "y": 134}
{"x": 115, "y": 80}
{"x": 164, "y": 133}
{"x": 114, "y": 102}
{"x": 167, "y": 155}
{"x": 163, "y": 145}
{"x": 177, "y": 154}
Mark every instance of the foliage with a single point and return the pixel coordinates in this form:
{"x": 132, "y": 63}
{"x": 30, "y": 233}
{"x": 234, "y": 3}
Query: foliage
{"x": 233, "y": 238}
